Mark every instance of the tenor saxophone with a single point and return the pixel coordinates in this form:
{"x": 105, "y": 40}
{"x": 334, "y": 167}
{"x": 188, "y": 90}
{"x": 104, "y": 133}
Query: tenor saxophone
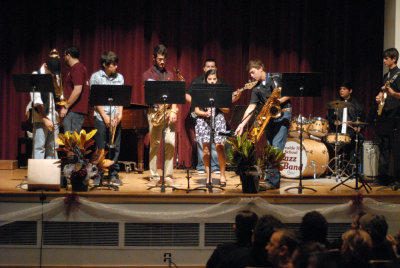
{"x": 157, "y": 118}
{"x": 269, "y": 110}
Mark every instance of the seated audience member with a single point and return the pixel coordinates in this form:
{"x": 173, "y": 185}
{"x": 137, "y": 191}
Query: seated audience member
{"x": 377, "y": 227}
{"x": 256, "y": 255}
{"x": 306, "y": 255}
{"x": 356, "y": 221}
{"x": 356, "y": 249}
{"x": 281, "y": 247}
{"x": 245, "y": 222}
{"x": 314, "y": 228}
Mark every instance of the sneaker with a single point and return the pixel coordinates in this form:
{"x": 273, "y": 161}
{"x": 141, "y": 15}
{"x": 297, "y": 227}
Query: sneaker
{"x": 115, "y": 180}
{"x": 216, "y": 172}
{"x": 201, "y": 172}
{"x": 266, "y": 187}
{"x": 153, "y": 181}
{"x": 170, "y": 182}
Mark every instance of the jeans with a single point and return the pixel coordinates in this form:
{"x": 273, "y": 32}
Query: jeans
{"x": 102, "y": 137}
{"x": 277, "y": 133}
{"x": 44, "y": 141}
{"x": 214, "y": 158}
{"x": 73, "y": 122}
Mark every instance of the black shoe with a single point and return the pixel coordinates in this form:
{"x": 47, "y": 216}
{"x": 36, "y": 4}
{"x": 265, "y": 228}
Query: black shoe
{"x": 115, "y": 180}
{"x": 266, "y": 187}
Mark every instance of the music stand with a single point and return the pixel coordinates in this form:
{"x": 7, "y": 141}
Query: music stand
{"x": 111, "y": 95}
{"x": 165, "y": 92}
{"x": 301, "y": 85}
{"x": 42, "y": 83}
{"x": 212, "y": 96}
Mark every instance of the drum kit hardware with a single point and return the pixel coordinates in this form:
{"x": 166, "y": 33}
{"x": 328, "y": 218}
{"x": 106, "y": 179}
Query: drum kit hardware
{"x": 314, "y": 148}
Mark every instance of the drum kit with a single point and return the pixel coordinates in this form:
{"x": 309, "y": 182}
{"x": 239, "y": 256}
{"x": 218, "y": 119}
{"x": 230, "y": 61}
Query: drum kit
{"x": 315, "y": 153}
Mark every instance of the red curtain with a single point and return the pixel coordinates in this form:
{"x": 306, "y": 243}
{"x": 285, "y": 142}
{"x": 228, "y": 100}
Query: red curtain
{"x": 341, "y": 39}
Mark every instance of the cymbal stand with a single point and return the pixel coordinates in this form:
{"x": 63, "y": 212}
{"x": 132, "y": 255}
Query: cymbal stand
{"x": 336, "y": 171}
{"x": 356, "y": 175}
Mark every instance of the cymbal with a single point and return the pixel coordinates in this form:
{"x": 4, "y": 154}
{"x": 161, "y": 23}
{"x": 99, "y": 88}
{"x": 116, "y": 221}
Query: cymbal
{"x": 337, "y": 104}
{"x": 358, "y": 123}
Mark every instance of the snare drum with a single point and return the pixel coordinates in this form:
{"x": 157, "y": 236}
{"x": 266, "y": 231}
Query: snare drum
{"x": 294, "y": 130}
{"x": 318, "y": 127}
{"x": 315, "y": 158}
{"x": 342, "y": 138}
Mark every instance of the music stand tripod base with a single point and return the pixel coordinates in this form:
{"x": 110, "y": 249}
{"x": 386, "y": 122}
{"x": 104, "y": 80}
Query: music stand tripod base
{"x": 108, "y": 185}
{"x": 188, "y": 190}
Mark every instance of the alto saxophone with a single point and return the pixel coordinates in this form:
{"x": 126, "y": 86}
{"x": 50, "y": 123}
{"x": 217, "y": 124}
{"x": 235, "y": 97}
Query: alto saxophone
{"x": 269, "y": 110}
{"x": 157, "y": 118}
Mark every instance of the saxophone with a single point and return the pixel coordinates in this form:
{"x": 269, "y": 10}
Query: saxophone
{"x": 269, "y": 110}
{"x": 157, "y": 118}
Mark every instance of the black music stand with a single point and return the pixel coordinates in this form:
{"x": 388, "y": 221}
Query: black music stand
{"x": 111, "y": 95}
{"x": 42, "y": 83}
{"x": 213, "y": 96}
{"x": 165, "y": 92}
{"x": 301, "y": 85}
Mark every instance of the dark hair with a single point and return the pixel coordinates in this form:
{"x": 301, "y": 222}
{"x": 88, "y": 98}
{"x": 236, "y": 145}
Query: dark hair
{"x": 391, "y": 53}
{"x": 347, "y": 84}
{"x": 308, "y": 254}
{"x": 73, "y": 52}
{"x": 160, "y": 49}
{"x": 210, "y": 72}
{"x": 210, "y": 60}
{"x": 375, "y": 225}
{"x": 108, "y": 57}
{"x": 245, "y": 221}
{"x": 264, "y": 229}
{"x": 288, "y": 239}
{"x": 258, "y": 64}
{"x": 314, "y": 227}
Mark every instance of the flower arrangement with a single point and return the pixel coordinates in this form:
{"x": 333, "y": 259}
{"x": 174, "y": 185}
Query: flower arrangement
{"x": 250, "y": 164}
{"x": 76, "y": 165}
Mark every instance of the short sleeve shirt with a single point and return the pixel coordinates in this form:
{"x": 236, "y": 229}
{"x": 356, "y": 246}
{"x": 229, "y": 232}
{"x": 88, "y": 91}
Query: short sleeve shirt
{"x": 78, "y": 75}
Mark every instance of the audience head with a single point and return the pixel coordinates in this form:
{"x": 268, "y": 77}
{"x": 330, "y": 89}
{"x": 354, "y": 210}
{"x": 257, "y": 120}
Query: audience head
{"x": 264, "y": 229}
{"x": 314, "y": 227}
{"x": 375, "y": 225}
{"x": 281, "y": 247}
{"x": 356, "y": 247}
{"x": 356, "y": 221}
{"x": 308, "y": 255}
{"x": 245, "y": 222}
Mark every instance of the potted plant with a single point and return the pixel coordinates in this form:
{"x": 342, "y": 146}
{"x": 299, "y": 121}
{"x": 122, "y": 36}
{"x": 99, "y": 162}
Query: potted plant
{"x": 251, "y": 165}
{"x": 77, "y": 167}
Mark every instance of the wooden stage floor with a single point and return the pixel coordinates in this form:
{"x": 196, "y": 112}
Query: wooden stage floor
{"x": 135, "y": 190}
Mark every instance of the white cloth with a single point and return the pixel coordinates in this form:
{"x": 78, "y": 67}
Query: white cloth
{"x": 344, "y": 120}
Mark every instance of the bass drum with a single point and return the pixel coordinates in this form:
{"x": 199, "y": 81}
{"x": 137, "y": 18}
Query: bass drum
{"x": 315, "y": 158}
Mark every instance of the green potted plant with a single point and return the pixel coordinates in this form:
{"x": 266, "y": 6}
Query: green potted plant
{"x": 251, "y": 165}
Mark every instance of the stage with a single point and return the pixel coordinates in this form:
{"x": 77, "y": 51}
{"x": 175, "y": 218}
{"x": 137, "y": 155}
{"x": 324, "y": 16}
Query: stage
{"x": 135, "y": 185}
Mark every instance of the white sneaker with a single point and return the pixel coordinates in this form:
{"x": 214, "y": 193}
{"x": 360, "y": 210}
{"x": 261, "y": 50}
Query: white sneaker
{"x": 170, "y": 182}
{"x": 217, "y": 172}
{"x": 201, "y": 172}
{"x": 153, "y": 181}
